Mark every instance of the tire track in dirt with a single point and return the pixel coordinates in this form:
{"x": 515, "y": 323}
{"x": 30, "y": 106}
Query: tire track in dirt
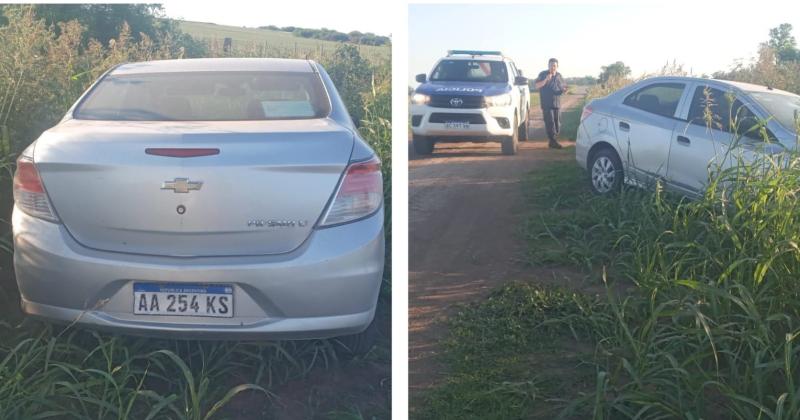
{"x": 465, "y": 211}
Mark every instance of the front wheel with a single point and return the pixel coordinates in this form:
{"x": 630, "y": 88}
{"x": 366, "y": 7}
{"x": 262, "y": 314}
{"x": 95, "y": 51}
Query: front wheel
{"x": 605, "y": 172}
{"x": 423, "y": 145}
{"x": 523, "y": 129}
{"x": 509, "y": 144}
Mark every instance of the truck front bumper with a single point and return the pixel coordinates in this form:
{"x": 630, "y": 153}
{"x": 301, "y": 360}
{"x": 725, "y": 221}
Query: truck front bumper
{"x": 453, "y": 124}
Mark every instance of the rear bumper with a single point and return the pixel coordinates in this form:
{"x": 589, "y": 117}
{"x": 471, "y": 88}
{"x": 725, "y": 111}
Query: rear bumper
{"x": 327, "y": 287}
{"x": 582, "y": 145}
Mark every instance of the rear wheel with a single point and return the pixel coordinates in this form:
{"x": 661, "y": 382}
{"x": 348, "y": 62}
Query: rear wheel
{"x": 423, "y": 145}
{"x": 509, "y": 144}
{"x": 605, "y": 172}
{"x": 359, "y": 344}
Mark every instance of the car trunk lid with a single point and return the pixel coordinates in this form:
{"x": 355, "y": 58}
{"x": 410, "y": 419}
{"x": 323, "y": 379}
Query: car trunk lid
{"x": 262, "y": 193}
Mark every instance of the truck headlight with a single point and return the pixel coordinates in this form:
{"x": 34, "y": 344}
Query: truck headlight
{"x": 420, "y": 99}
{"x": 497, "y": 100}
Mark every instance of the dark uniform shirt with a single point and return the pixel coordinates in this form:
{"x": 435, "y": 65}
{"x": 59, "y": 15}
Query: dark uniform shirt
{"x": 550, "y": 93}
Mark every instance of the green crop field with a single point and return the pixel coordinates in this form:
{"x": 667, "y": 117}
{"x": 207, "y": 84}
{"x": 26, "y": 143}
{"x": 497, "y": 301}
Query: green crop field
{"x": 273, "y": 40}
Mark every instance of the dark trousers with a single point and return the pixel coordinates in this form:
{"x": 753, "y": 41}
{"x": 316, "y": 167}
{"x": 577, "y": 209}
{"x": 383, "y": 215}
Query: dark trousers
{"x": 551, "y": 122}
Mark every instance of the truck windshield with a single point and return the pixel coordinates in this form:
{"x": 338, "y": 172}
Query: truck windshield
{"x": 206, "y": 96}
{"x": 470, "y": 71}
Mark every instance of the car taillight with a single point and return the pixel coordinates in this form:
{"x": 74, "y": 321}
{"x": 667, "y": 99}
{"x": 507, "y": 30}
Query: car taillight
{"x": 360, "y": 193}
{"x": 587, "y": 110}
{"x": 29, "y": 193}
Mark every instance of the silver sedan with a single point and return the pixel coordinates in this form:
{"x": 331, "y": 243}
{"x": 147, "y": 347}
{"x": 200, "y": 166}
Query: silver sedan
{"x": 206, "y": 198}
{"x": 679, "y": 130}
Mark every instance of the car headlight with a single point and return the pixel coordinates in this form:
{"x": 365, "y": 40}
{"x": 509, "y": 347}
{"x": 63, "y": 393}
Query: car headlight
{"x": 420, "y": 99}
{"x": 497, "y": 100}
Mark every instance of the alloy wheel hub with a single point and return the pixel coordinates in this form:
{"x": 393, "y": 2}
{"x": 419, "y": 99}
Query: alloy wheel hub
{"x": 603, "y": 174}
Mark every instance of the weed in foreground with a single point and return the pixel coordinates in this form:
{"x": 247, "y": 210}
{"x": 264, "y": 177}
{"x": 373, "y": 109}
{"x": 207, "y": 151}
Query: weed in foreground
{"x": 710, "y": 330}
{"x": 48, "y": 372}
{"x": 515, "y": 354}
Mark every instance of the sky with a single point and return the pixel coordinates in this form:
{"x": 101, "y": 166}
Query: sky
{"x": 332, "y": 15}
{"x": 704, "y": 38}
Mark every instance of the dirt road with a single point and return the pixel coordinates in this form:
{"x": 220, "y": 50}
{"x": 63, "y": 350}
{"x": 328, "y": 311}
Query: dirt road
{"x": 465, "y": 210}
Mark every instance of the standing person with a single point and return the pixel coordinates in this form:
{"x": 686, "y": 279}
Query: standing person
{"x": 551, "y": 85}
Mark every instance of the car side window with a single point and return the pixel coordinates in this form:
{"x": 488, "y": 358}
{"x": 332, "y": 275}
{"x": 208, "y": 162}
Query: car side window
{"x": 713, "y": 107}
{"x": 514, "y": 71}
{"x": 658, "y": 98}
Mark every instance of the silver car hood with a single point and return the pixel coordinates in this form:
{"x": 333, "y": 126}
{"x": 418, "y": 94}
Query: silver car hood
{"x": 262, "y": 194}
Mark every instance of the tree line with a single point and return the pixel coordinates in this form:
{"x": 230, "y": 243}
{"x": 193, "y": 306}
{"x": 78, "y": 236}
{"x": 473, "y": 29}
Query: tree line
{"x": 355, "y": 37}
{"x": 777, "y": 65}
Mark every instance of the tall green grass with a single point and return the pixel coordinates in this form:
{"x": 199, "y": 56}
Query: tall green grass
{"x": 56, "y": 373}
{"x": 376, "y": 128}
{"x": 698, "y": 315}
{"x": 53, "y": 372}
{"x": 711, "y": 327}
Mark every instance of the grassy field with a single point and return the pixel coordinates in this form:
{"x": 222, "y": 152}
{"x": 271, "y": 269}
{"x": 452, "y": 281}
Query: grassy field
{"x": 570, "y": 120}
{"x": 535, "y": 99}
{"x": 667, "y": 308}
{"x": 274, "y": 40}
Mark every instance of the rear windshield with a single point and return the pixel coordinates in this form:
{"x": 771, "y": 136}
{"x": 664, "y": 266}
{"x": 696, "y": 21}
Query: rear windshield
{"x": 201, "y": 96}
{"x": 784, "y": 108}
{"x": 470, "y": 71}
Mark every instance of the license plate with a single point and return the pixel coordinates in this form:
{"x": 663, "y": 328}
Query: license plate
{"x": 210, "y": 300}
{"x": 458, "y": 125}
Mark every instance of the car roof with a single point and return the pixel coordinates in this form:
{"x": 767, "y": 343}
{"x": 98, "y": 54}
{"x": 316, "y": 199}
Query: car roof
{"x": 215, "y": 64}
{"x": 747, "y": 87}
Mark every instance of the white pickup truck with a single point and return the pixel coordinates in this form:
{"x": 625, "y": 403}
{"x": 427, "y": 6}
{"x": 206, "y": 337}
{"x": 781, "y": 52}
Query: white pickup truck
{"x": 470, "y": 96}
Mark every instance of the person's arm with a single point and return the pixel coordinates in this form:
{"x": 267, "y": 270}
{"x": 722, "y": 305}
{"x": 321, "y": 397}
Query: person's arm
{"x": 560, "y": 87}
{"x": 541, "y": 81}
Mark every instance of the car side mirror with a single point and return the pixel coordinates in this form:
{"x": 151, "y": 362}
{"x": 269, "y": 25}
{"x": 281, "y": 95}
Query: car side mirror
{"x": 520, "y": 80}
{"x": 422, "y": 78}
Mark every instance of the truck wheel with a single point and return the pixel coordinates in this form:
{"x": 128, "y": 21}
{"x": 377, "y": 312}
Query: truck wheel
{"x": 423, "y": 145}
{"x": 509, "y": 144}
{"x": 523, "y": 130}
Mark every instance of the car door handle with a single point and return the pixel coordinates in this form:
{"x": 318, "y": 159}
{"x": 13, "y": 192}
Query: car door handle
{"x": 684, "y": 140}
{"x": 624, "y": 126}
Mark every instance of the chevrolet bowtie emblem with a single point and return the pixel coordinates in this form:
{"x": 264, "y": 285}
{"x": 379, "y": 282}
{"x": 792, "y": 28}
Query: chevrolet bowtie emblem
{"x": 181, "y": 185}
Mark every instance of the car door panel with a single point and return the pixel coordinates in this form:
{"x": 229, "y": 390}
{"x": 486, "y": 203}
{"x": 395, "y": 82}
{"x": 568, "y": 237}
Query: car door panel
{"x": 644, "y": 139}
{"x": 645, "y": 123}
{"x": 696, "y": 158}
{"x": 701, "y": 149}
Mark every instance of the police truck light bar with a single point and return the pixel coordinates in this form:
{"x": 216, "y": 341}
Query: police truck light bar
{"x": 472, "y": 52}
